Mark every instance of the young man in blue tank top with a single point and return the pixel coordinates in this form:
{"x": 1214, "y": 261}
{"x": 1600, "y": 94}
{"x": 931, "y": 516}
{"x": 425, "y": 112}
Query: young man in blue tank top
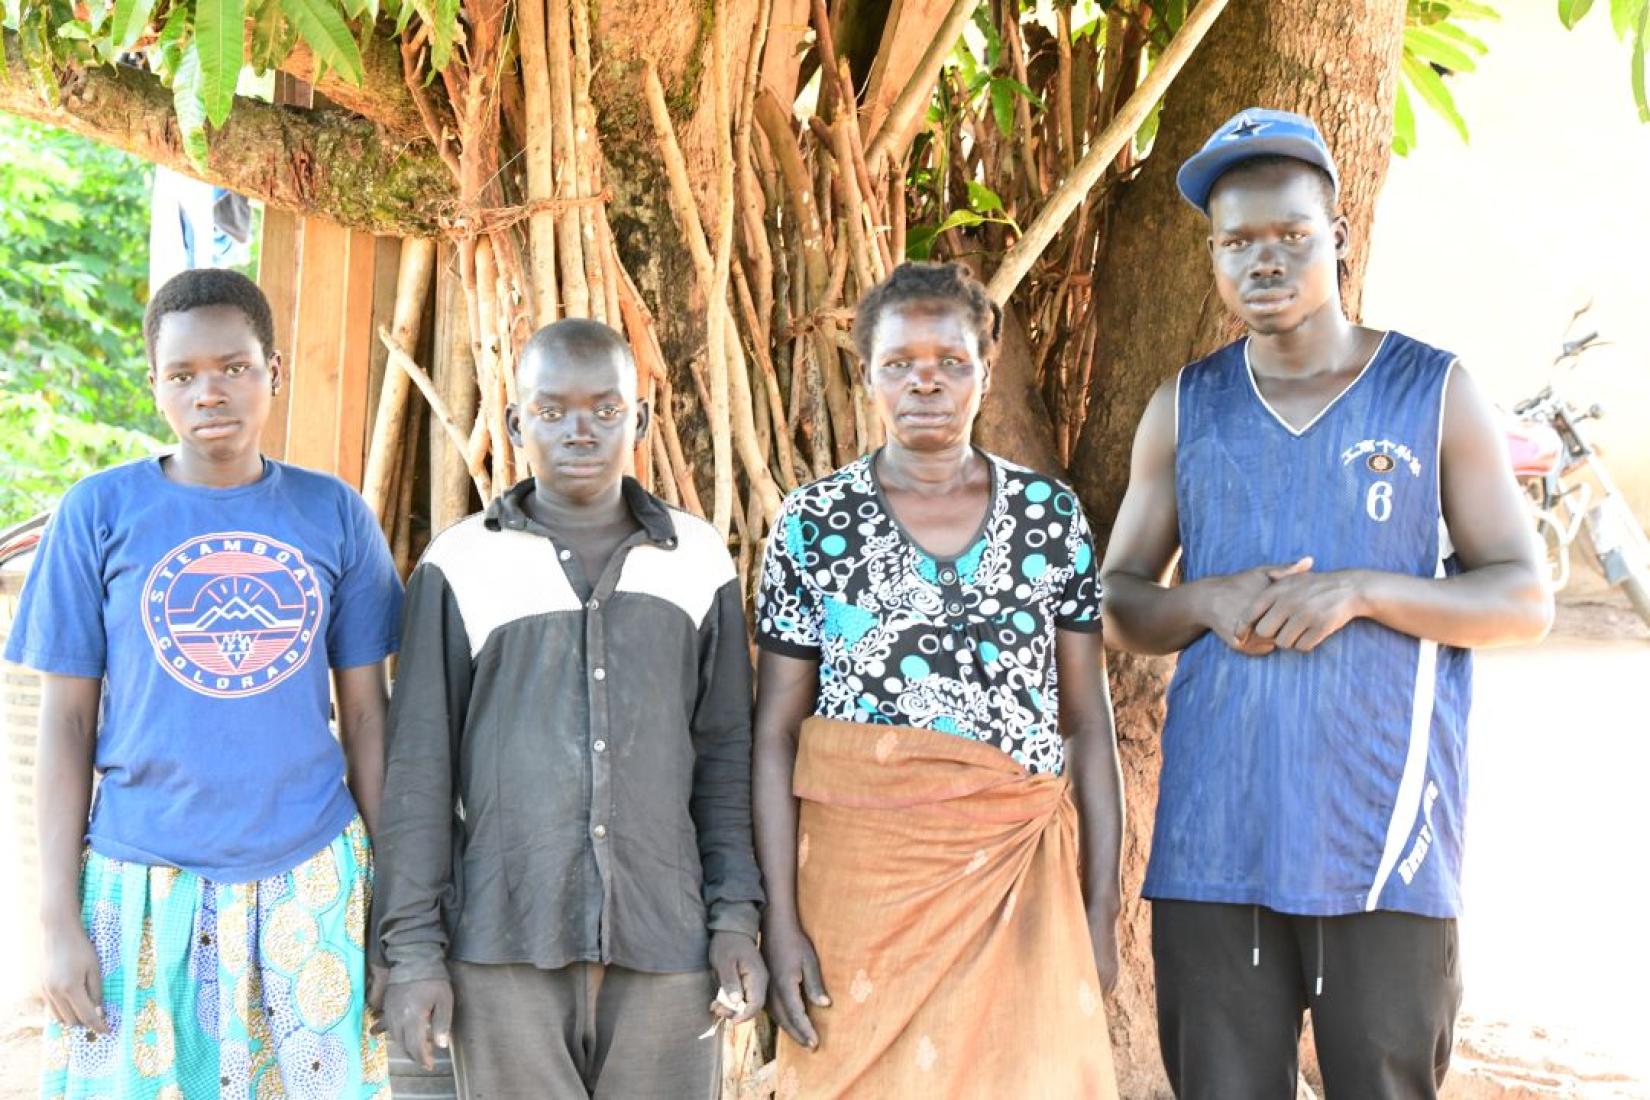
{"x": 1347, "y": 531}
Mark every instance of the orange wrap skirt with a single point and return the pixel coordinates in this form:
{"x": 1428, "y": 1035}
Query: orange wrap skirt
{"x": 939, "y": 884}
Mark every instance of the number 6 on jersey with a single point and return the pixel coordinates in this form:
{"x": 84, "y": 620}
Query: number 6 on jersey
{"x": 1378, "y": 501}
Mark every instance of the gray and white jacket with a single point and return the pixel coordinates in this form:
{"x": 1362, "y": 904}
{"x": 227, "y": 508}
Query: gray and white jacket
{"x": 568, "y": 768}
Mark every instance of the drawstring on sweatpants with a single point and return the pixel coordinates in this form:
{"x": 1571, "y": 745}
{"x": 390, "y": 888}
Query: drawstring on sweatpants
{"x": 1319, "y": 993}
{"x": 1254, "y": 946}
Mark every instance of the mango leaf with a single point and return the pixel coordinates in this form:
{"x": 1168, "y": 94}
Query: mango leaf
{"x": 166, "y": 53}
{"x": 357, "y": 8}
{"x": 1403, "y": 123}
{"x": 75, "y": 31}
{"x": 1426, "y": 13}
{"x": 1147, "y": 133}
{"x": 982, "y": 198}
{"x": 188, "y": 102}
{"x": 319, "y": 24}
{"x": 1638, "y": 65}
{"x": 1002, "y": 107}
{"x": 34, "y": 38}
{"x": 1423, "y": 43}
{"x": 1571, "y": 11}
{"x": 1430, "y": 86}
{"x": 441, "y": 17}
{"x": 272, "y": 36}
{"x": 919, "y": 242}
{"x": 1460, "y": 37}
{"x": 1468, "y": 9}
{"x": 131, "y": 17}
{"x": 964, "y": 218}
{"x": 220, "y": 36}
{"x": 1624, "y": 15}
{"x": 964, "y": 59}
{"x": 993, "y": 38}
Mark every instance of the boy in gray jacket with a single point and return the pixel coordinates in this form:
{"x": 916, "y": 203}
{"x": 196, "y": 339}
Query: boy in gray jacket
{"x": 566, "y": 835}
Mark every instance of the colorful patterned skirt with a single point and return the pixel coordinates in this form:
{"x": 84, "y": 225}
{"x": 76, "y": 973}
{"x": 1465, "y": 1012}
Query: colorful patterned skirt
{"x": 238, "y": 990}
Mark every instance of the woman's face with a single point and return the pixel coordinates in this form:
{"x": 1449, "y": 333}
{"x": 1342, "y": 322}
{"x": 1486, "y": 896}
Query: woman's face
{"x": 213, "y": 382}
{"x": 927, "y": 374}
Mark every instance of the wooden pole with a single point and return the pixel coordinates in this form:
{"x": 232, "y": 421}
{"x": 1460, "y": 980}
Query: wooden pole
{"x": 541, "y": 182}
{"x": 390, "y": 425}
{"x": 1074, "y": 188}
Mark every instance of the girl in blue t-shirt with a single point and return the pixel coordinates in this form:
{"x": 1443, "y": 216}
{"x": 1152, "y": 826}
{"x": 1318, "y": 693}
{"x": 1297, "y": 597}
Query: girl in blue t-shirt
{"x": 205, "y": 916}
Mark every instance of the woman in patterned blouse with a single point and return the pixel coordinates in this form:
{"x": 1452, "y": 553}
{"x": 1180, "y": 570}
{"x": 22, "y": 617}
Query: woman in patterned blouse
{"x": 931, "y": 715}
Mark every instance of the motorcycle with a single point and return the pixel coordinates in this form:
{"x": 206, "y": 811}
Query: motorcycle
{"x": 1549, "y": 454}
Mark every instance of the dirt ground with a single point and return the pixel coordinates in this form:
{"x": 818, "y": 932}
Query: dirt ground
{"x": 1555, "y": 953}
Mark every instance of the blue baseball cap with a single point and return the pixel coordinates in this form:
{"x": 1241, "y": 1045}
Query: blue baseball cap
{"x": 1256, "y": 132}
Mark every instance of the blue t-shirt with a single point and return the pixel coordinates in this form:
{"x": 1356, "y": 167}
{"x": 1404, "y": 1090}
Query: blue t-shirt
{"x": 213, "y": 617}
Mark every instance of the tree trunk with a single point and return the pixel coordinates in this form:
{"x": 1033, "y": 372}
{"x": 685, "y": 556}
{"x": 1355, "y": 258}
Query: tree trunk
{"x": 327, "y": 162}
{"x": 1337, "y": 62}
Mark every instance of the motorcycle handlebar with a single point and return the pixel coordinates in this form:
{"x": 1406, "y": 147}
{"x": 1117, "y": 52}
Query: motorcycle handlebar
{"x": 1573, "y": 346}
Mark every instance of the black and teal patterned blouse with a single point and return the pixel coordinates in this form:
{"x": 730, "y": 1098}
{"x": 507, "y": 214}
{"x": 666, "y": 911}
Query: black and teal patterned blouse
{"x": 963, "y": 645}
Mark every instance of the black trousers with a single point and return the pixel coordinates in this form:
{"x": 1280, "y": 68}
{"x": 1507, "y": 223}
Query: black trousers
{"x": 1234, "y": 980}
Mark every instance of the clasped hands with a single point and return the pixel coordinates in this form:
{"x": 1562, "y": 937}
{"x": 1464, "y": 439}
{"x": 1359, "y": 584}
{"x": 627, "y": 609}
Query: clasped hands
{"x": 1281, "y": 606}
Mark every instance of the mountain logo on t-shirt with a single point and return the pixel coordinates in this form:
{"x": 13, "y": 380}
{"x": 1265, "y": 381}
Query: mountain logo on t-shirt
{"x": 232, "y": 614}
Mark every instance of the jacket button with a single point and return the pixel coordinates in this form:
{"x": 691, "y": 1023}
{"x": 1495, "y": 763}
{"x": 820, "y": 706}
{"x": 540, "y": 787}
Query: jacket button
{"x": 601, "y": 673}
{"x": 594, "y": 604}
{"x": 600, "y": 746}
{"x": 948, "y": 576}
{"x": 565, "y": 554}
{"x": 599, "y": 832}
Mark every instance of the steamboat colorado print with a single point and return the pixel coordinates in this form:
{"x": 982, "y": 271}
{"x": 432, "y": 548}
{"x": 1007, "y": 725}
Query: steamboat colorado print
{"x": 232, "y": 614}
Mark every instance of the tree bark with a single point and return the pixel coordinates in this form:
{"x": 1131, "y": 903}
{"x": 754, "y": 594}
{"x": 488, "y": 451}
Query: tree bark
{"x": 1337, "y": 61}
{"x": 382, "y": 96}
{"x": 327, "y": 162}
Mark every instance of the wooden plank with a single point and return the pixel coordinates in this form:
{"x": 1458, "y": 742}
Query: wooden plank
{"x": 278, "y": 278}
{"x": 279, "y": 259}
{"x": 312, "y": 433}
{"x": 355, "y": 343}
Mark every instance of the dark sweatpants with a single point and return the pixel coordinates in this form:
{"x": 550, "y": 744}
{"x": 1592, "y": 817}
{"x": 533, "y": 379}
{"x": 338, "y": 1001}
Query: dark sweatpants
{"x": 1383, "y": 1017}
{"x": 582, "y": 1031}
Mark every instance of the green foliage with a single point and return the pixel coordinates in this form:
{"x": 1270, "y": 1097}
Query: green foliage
{"x": 220, "y": 35}
{"x": 74, "y": 221}
{"x": 1629, "y": 19}
{"x": 984, "y": 205}
{"x": 43, "y": 452}
{"x": 199, "y": 48}
{"x": 1435, "y": 44}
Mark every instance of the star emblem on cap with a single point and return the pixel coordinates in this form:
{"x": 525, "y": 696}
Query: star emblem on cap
{"x": 1246, "y": 127}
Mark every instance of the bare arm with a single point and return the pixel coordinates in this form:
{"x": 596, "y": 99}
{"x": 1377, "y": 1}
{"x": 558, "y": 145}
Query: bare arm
{"x": 1499, "y": 598}
{"x": 63, "y": 791}
{"x": 786, "y": 688}
{"x": 362, "y": 704}
{"x": 1091, "y": 754}
{"x": 1143, "y": 613}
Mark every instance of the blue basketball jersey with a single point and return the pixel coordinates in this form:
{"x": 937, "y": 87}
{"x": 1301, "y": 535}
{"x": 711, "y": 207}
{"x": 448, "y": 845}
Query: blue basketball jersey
{"x": 1333, "y": 781}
